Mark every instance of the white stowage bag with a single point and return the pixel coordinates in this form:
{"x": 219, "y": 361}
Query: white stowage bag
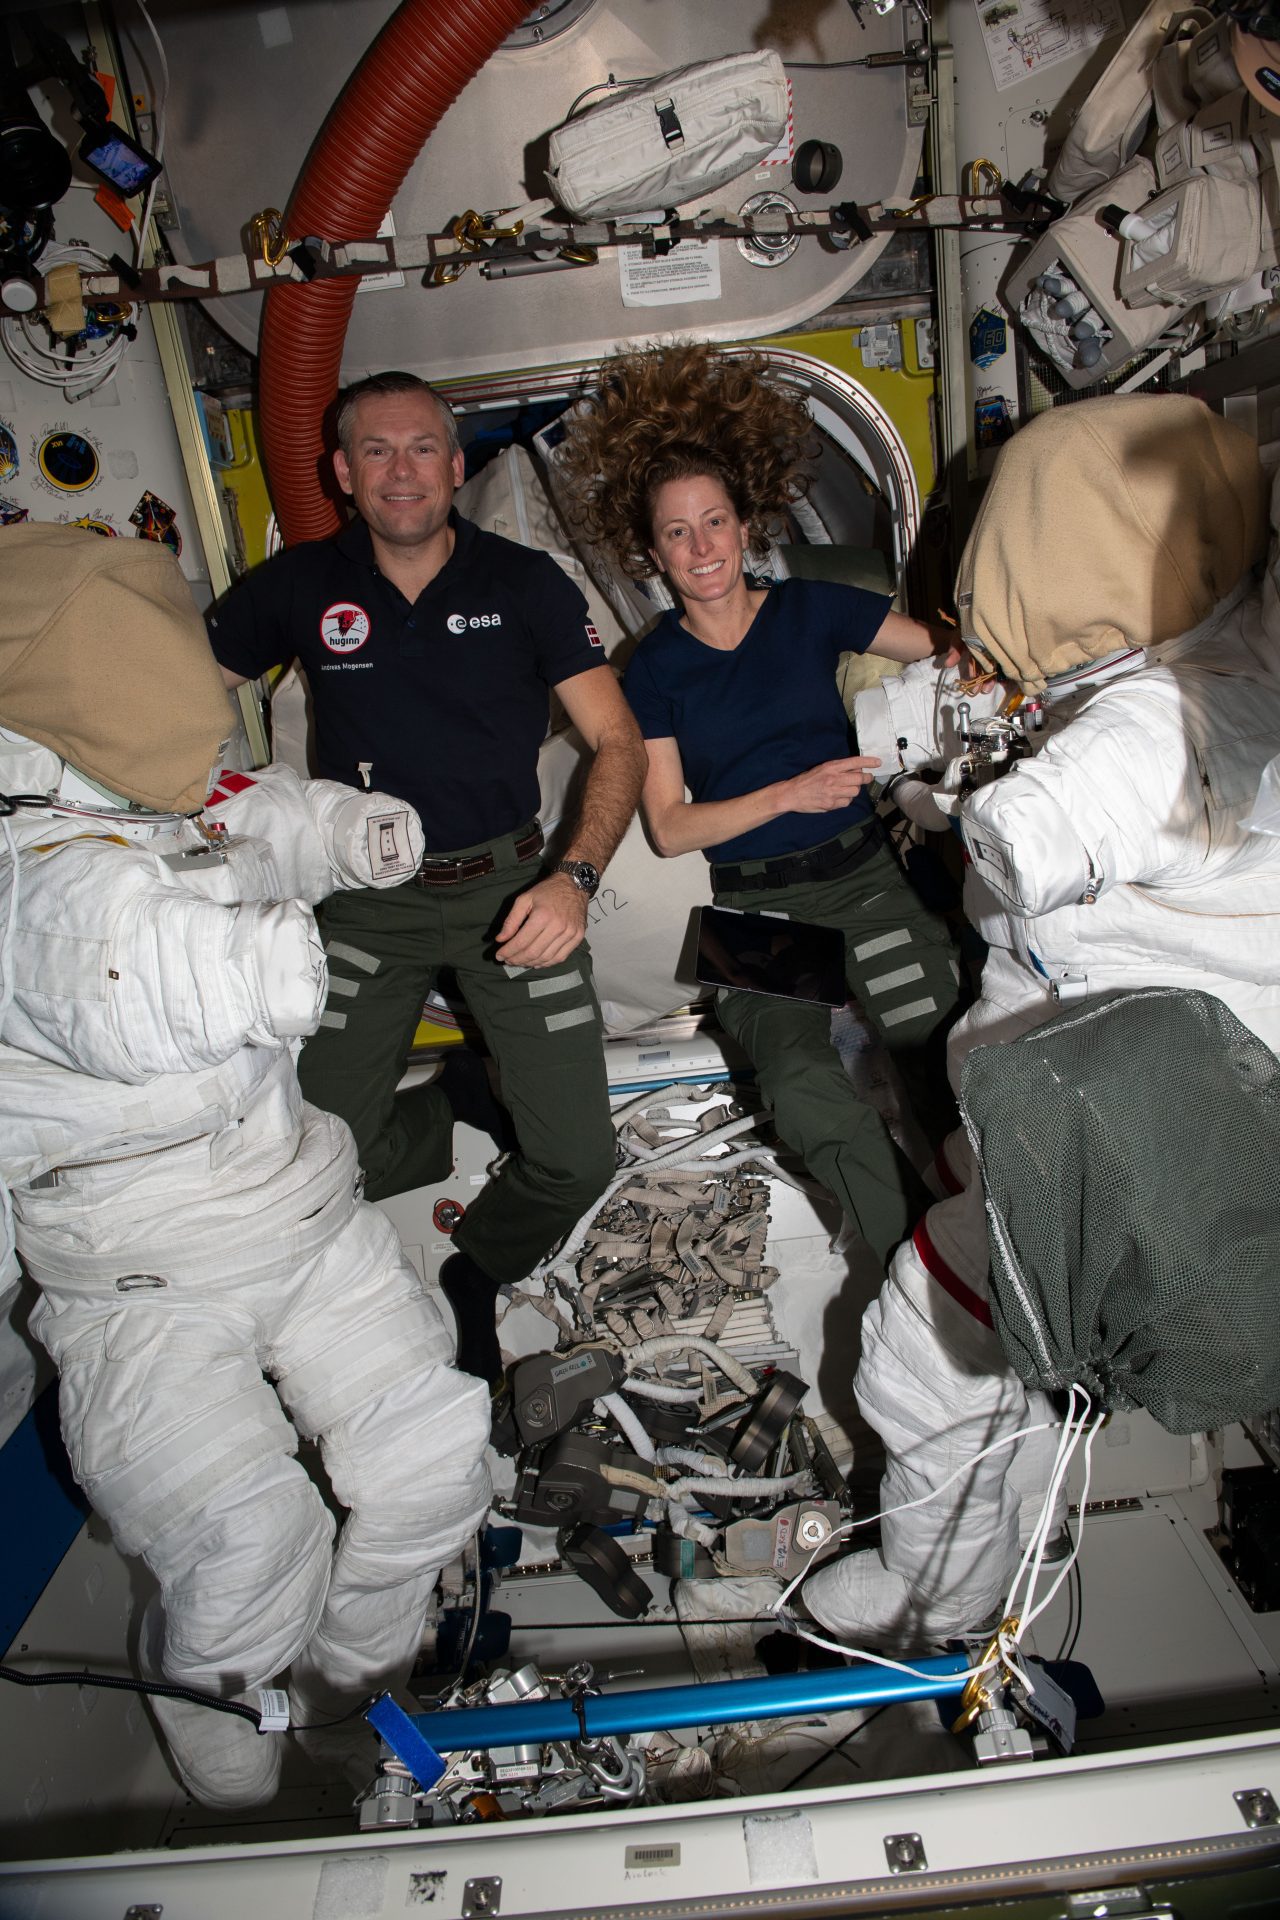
{"x": 673, "y": 141}
{"x": 508, "y": 497}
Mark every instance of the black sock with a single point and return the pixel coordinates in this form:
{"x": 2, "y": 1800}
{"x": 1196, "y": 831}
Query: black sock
{"x": 473, "y": 1297}
{"x": 464, "y": 1080}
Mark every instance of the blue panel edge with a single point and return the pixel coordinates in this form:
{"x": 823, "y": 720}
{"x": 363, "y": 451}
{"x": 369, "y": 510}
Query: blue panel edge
{"x": 41, "y": 1510}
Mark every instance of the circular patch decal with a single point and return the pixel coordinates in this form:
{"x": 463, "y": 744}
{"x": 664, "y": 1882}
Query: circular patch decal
{"x": 11, "y": 514}
{"x": 8, "y": 453}
{"x": 67, "y": 461}
{"x": 95, "y": 523}
{"x": 344, "y": 627}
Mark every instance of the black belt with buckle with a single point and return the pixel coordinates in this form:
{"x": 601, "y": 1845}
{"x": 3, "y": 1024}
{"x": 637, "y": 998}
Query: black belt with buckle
{"x": 448, "y": 873}
{"x": 827, "y": 862}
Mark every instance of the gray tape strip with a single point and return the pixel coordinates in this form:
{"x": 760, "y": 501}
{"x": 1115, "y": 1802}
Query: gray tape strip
{"x": 575, "y": 1017}
{"x": 356, "y": 956}
{"x": 898, "y": 978}
{"x": 882, "y": 944}
{"x": 340, "y": 986}
{"x": 561, "y": 983}
{"x": 896, "y": 1015}
{"x": 328, "y": 1019}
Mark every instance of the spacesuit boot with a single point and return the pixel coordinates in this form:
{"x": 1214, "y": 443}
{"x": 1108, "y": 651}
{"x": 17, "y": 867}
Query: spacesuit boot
{"x": 222, "y": 1759}
{"x": 330, "y": 1727}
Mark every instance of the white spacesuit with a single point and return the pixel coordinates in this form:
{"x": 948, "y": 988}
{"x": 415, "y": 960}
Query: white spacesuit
{"x": 1109, "y": 579}
{"x": 197, "y": 1233}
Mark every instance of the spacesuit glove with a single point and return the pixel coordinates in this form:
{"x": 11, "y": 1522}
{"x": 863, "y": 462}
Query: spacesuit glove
{"x": 283, "y": 969}
{"x": 371, "y": 839}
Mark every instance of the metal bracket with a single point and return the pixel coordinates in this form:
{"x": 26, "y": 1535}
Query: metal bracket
{"x": 1258, "y": 1806}
{"x": 905, "y": 1853}
{"x": 143, "y": 1913}
{"x": 481, "y": 1896}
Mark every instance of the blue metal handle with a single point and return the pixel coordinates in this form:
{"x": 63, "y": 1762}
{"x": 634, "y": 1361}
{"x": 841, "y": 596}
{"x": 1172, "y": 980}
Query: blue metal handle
{"x": 639, "y": 1710}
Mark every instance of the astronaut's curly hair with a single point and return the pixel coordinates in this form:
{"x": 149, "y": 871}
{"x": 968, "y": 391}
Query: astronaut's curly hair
{"x": 674, "y": 413}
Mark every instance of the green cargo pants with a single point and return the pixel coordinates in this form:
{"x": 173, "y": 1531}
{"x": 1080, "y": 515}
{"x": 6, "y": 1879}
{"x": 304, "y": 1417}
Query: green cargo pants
{"x": 900, "y": 963}
{"x": 542, "y": 1026}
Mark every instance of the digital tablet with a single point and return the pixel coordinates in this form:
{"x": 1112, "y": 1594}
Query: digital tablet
{"x": 760, "y": 953}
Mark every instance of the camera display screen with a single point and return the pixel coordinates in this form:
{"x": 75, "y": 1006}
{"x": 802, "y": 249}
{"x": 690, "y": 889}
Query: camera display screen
{"x": 118, "y": 160}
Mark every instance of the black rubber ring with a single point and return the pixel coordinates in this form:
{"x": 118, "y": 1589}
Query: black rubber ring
{"x": 817, "y": 166}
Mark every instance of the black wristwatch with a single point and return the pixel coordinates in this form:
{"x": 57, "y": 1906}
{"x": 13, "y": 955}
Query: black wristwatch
{"x": 584, "y": 876}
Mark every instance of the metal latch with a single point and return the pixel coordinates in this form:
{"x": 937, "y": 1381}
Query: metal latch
{"x": 905, "y": 1853}
{"x": 1114, "y": 1903}
{"x": 1258, "y": 1806}
{"x": 481, "y": 1896}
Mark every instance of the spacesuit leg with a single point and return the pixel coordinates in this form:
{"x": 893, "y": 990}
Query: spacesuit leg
{"x": 934, "y": 1383}
{"x": 183, "y": 1448}
{"x": 363, "y": 1363}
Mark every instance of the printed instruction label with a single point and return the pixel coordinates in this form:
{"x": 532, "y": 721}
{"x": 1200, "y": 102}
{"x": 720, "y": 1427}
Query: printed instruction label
{"x": 1027, "y": 36}
{"x": 691, "y": 271}
{"x": 379, "y": 282}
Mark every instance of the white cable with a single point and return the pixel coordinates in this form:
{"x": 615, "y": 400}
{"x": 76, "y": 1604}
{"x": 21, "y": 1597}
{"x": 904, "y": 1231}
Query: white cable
{"x": 905, "y": 1506}
{"x": 616, "y": 1408}
{"x": 665, "y": 1391}
{"x": 1034, "y": 1612}
{"x": 744, "y": 1487}
{"x": 1008, "y": 1644}
{"x": 664, "y": 1343}
{"x": 1033, "y": 1552}
{"x": 52, "y": 365}
{"x": 162, "y": 107}
{"x": 705, "y": 1463}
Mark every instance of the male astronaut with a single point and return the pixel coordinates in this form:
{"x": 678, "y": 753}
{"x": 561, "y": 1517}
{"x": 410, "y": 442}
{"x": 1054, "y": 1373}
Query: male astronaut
{"x": 1109, "y": 581}
{"x": 212, "y": 1284}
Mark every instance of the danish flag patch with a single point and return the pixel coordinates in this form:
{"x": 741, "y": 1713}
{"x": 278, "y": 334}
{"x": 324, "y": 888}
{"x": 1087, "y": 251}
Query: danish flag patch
{"x": 229, "y": 785}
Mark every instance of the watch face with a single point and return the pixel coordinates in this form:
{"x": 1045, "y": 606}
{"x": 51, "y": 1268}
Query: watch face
{"x": 583, "y": 874}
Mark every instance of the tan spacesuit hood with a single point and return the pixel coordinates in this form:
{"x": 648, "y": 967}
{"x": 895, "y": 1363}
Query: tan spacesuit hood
{"x": 1111, "y": 523}
{"x": 104, "y": 658}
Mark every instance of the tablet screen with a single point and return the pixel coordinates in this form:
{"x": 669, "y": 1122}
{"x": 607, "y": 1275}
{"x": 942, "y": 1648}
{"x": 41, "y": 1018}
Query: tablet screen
{"x": 757, "y": 953}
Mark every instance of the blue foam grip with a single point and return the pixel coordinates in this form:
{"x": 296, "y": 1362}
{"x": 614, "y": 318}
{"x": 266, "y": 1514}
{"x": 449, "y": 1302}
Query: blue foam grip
{"x": 401, "y": 1733}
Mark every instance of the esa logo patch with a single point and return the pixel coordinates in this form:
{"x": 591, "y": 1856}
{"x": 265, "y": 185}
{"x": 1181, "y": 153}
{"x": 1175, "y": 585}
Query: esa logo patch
{"x": 344, "y": 627}
{"x": 459, "y": 623}
{"x": 592, "y": 635}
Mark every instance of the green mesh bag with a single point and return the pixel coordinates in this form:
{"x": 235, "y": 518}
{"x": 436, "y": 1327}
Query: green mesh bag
{"x": 1130, "y": 1152}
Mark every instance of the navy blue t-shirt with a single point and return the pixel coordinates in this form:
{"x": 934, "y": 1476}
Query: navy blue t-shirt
{"x": 767, "y": 710}
{"x": 443, "y": 703}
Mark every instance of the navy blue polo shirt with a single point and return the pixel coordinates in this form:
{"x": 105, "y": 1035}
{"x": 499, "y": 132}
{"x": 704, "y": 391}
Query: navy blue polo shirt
{"x": 763, "y": 712}
{"x": 443, "y": 703}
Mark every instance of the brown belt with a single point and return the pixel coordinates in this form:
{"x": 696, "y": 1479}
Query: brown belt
{"x": 448, "y": 873}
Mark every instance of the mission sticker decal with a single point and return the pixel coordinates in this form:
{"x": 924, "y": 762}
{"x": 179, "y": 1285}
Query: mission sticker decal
{"x": 344, "y": 627}
{"x": 156, "y": 520}
{"x": 68, "y": 461}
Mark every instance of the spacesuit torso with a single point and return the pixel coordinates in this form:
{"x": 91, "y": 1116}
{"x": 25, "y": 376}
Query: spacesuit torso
{"x": 112, "y": 1112}
{"x": 1112, "y": 854}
